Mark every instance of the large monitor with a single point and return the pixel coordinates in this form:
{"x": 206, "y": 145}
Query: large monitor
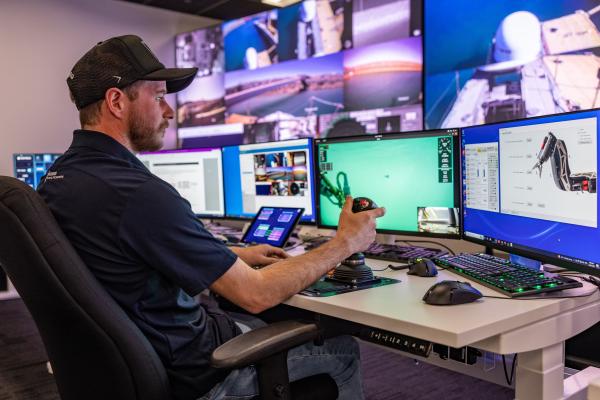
{"x": 273, "y": 174}
{"x": 355, "y": 63}
{"x": 196, "y": 174}
{"x": 413, "y": 175}
{"x": 30, "y": 168}
{"x": 530, "y": 188}
{"x": 515, "y": 59}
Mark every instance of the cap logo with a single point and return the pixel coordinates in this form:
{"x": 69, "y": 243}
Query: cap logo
{"x": 118, "y": 78}
{"x": 149, "y": 50}
{"x": 71, "y": 76}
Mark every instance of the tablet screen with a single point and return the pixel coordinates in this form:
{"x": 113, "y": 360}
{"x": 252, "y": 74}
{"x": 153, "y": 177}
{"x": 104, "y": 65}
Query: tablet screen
{"x": 273, "y": 225}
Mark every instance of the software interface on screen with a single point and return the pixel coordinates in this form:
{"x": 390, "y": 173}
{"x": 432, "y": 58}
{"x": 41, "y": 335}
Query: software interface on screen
{"x": 530, "y": 185}
{"x": 275, "y": 174}
{"x": 196, "y": 174}
{"x": 414, "y": 176}
{"x": 273, "y": 225}
{"x": 30, "y": 168}
{"x": 355, "y": 63}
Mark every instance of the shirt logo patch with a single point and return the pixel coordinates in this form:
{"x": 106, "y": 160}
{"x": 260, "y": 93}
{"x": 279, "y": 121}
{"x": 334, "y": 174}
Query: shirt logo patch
{"x": 52, "y": 175}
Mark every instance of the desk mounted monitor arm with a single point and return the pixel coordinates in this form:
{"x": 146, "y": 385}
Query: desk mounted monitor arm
{"x": 556, "y": 150}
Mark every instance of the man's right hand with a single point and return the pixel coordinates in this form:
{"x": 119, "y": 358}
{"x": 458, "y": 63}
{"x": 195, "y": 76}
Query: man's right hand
{"x": 357, "y": 230}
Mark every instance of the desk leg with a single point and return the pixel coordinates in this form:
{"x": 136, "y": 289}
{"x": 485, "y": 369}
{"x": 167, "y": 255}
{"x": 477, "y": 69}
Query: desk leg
{"x": 540, "y": 372}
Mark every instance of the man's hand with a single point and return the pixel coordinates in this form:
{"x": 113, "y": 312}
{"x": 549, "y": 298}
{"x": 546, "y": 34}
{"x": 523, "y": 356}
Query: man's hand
{"x": 263, "y": 254}
{"x": 357, "y": 230}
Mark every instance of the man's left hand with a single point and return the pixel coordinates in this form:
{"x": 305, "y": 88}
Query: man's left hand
{"x": 262, "y": 254}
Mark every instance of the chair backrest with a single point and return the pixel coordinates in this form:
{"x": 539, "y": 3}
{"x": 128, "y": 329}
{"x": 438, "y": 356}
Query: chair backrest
{"x": 95, "y": 350}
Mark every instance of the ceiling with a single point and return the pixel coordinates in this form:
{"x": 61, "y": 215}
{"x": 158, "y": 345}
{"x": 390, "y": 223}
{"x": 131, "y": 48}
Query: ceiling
{"x": 217, "y": 9}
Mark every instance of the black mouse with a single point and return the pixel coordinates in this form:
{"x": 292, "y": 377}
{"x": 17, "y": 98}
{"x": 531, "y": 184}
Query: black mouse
{"x": 451, "y": 292}
{"x": 422, "y": 267}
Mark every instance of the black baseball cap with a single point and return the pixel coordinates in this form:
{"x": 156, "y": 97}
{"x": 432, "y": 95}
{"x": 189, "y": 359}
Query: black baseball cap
{"x": 118, "y": 62}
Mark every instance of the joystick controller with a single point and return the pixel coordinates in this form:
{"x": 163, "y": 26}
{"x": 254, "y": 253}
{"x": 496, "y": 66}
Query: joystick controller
{"x": 353, "y": 269}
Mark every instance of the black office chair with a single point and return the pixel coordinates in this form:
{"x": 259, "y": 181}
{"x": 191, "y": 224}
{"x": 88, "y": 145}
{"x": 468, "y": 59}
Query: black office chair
{"x": 95, "y": 350}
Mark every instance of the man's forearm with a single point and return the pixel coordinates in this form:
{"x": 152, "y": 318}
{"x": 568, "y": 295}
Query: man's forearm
{"x": 286, "y": 278}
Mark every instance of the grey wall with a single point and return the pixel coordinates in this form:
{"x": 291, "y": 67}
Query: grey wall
{"x": 40, "y": 40}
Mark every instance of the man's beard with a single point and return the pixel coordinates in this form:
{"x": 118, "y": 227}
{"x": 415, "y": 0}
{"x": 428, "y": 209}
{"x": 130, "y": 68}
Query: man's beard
{"x": 143, "y": 136}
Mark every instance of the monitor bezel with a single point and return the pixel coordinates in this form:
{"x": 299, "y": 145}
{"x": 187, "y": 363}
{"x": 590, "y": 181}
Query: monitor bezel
{"x": 539, "y": 255}
{"x": 310, "y": 146}
{"x": 392, "y": 136}
{"x": 198, "y": 150}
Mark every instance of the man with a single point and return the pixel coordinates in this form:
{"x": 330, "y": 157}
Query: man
{"x": 144, "y": 244}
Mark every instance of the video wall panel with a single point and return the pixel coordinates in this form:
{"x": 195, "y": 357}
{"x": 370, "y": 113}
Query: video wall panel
{"x": 510, "y": 60}
{"x": 313, "y": 69}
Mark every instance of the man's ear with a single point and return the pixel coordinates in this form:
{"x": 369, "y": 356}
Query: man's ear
{"x": 115, "y": 101}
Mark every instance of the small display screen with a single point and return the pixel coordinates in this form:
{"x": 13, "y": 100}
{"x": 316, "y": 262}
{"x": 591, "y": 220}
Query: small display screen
{"x": 30, "y": 168}
{"x": 273, "y": 225}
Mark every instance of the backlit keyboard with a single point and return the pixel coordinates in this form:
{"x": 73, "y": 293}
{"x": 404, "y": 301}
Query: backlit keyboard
{"x": 507, "y": 278}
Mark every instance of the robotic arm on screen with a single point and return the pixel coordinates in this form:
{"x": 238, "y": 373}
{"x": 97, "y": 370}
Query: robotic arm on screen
{"x": 336, "y": 194}
{"x": 555, "y": 150}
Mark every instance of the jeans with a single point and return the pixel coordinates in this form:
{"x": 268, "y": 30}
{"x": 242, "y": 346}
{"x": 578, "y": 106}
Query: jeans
{"x": 339, "y": 357}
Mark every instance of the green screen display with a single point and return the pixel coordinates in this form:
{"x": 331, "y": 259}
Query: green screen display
{"x": 411, "y": 176}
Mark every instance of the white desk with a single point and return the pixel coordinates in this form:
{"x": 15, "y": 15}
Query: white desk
{"x": 536, "y": 329}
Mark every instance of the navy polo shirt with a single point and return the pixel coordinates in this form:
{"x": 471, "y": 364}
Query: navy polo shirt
{"x": 142, "y": 241}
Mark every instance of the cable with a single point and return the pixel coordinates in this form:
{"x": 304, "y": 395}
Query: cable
{"x": 512, "y": 369}
{"x": 427, "y": 241}
{"x": 380, "y": 270}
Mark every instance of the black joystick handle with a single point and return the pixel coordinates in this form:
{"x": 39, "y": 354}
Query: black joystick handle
{"x": 363, "y": 204}
{"x": 353, "y": 269}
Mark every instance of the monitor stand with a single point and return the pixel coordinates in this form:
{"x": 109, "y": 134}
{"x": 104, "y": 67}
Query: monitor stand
{"x": 384, "y": 238}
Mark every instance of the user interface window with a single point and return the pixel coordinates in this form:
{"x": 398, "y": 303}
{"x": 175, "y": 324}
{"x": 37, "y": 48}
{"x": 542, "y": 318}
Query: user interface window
{"x": 414, "y": 176}
{"x": 273, "y": 226}
{"x": 196, "y": 174}
{"x": 30, "y": 168}
{"x": 274, "y": 174}
{"x": 531, "y": 185}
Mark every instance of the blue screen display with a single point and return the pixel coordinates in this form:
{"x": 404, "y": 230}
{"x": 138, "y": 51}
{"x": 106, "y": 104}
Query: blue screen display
{"x": 273, "y": 225}
{"x": 30, "y": 168}
{"x": 530, "y": 185}
{"x": 274, "y": 174}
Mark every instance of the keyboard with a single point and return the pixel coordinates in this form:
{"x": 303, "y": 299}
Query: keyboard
{"x": 402, "y": 254}
{"x": 387, "y": 252}
{"x": 504, "y": 276}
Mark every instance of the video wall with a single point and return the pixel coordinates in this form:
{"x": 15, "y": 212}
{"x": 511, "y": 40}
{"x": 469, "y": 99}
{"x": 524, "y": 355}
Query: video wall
{"x": 318, "y": 68}
{"x": 327, "y": 68}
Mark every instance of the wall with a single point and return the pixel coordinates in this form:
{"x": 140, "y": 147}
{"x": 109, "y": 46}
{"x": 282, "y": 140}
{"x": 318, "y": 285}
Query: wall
{"x": 40, "y": 40}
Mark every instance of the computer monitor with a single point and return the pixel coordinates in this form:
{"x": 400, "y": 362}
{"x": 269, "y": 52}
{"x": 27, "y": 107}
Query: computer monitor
{"x": 530, "y": 188}
{"x": 413, "y": 175}
{"x": 196, "y": 174}
{"x": 273, "y": 174}
{"x": 31, "y": 167}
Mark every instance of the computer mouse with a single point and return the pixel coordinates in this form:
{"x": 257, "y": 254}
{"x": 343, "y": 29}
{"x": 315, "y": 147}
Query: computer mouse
{"x": 451, "y": 292}
{"x": 422, "y": 267}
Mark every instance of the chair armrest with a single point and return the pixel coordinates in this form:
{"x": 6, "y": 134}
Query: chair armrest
{"x": 258, "y": 344}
